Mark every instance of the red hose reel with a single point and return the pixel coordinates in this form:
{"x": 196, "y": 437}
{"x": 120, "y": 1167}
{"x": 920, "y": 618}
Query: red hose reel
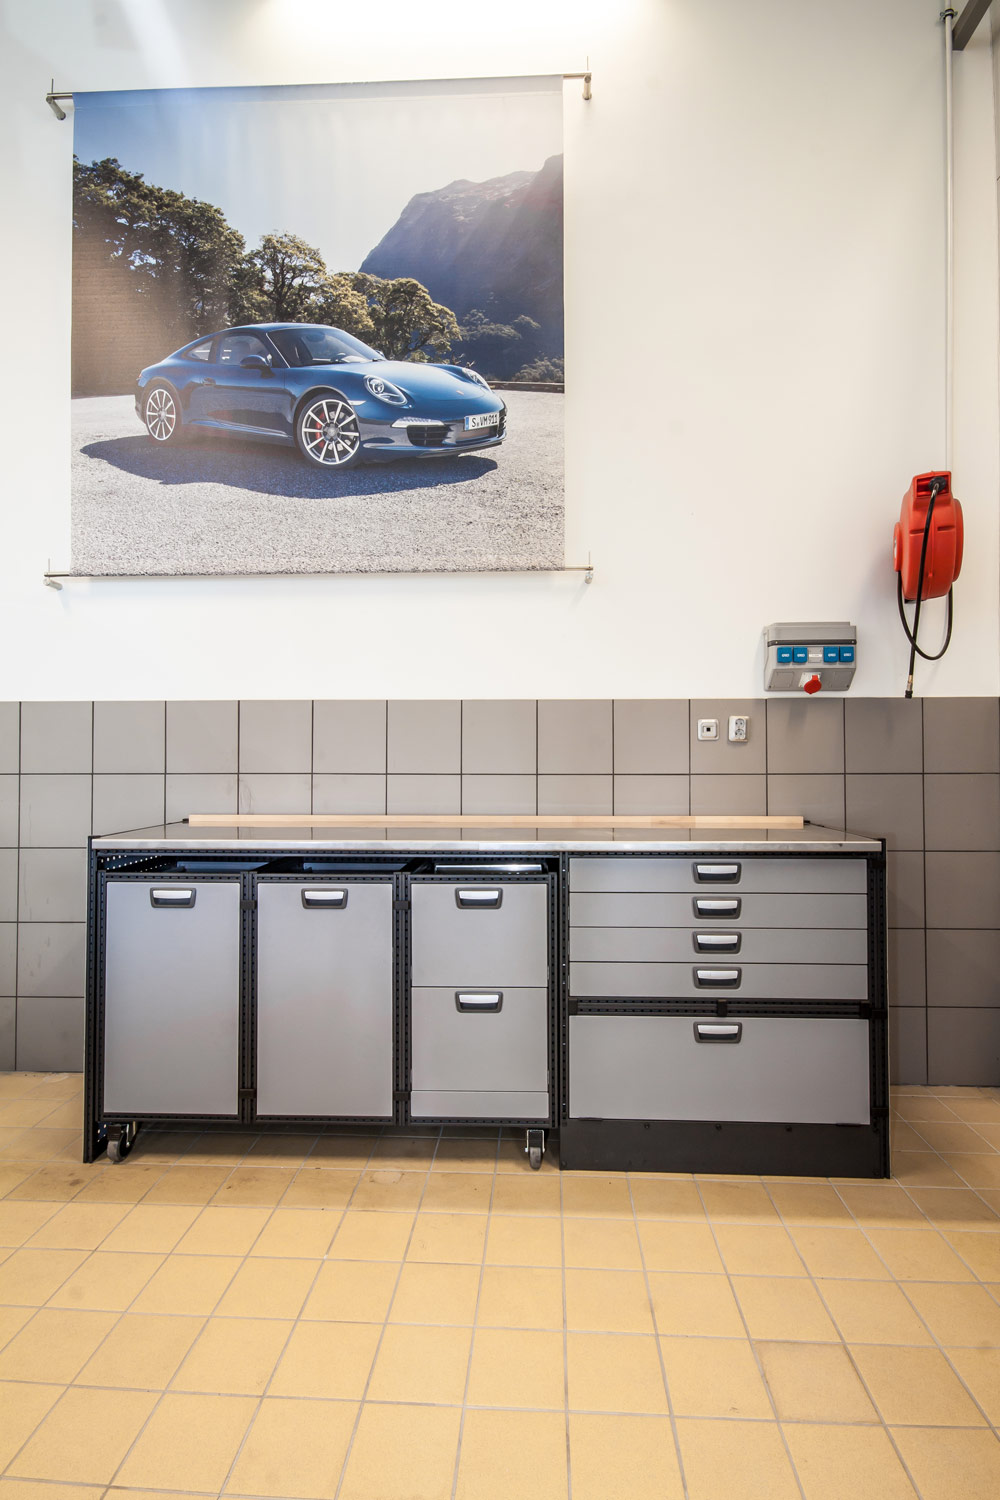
{"x": 943, "y": 559}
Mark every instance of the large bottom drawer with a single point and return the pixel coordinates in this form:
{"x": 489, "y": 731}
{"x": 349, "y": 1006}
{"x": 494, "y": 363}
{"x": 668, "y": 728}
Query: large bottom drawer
{"x": 756, "y": 1069}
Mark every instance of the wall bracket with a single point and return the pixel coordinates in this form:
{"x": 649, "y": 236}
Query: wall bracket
{"x": 52, "y": 100}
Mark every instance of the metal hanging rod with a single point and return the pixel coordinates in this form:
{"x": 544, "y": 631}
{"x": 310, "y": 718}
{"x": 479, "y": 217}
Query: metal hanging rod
{"x": 55, "y": 580}
{"x": 586, "y": 80}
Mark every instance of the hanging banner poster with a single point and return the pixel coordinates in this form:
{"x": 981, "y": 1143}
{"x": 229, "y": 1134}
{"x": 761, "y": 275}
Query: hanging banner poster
{"x": 318, "y": 329}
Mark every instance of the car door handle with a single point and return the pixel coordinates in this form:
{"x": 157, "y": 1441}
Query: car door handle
{"x": 208, "y": 380}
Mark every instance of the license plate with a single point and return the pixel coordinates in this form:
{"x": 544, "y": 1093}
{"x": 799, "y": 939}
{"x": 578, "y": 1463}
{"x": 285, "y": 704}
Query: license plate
{"x": 482, "y": 419}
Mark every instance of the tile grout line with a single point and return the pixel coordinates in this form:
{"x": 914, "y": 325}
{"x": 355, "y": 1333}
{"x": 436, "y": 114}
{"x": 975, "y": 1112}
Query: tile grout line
{"x": 565, "y": 1327}
{"x": 475, "y": 1326}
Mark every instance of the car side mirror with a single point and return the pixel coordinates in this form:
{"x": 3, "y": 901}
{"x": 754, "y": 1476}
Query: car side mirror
{"x": 256, "y": 362}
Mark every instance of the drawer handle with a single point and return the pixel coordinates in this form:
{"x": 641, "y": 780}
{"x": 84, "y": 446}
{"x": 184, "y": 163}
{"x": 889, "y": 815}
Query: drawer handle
{"x": 483, "y": 898}
{"x": 718, "y": 1031}
{"x": 174, "y": 895}
{"x": 716, "y": 872}
{"x": 717, "y": 978}
{"x": 717, "y": 942}
{"x": 703, "y": 907}
{"x": 324, "y": 897}
{"x": 479, "y": 1000}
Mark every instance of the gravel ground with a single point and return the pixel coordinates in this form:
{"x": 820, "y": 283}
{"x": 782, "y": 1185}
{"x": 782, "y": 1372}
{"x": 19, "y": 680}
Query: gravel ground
{"x": 225, "y": 505}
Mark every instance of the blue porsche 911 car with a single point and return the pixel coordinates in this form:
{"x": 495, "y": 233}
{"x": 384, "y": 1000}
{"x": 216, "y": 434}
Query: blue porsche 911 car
{"x": 323, "y": 391}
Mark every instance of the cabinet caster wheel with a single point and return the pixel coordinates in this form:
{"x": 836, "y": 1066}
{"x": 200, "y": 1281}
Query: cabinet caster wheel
{"x": 534, "y": 1157}
{"x": 121, "y": 1139}
{"x": 534, "y": 1146}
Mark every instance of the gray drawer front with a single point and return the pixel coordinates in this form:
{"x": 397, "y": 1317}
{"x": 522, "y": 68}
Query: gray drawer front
{"x": 324, "y": 998}
{"x": 756, "y": 981}
{"x": 756, "y": 945}
{"x": 505, "y": 1050}
{"x": 651, "y": 1068}
{"x": 172, "y": 997}
{"x": 469, "y": 1105}
{"x": 754, "y": 873}
{"x": 505, "y": 946}
{"x": 660, "y": 909}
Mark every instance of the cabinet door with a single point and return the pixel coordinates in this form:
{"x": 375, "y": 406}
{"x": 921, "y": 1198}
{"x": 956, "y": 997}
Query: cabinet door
{"x": 172, "y": 997}
{"x": 324, "y": 998}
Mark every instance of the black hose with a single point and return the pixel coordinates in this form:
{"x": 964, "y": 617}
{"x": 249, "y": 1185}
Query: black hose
{"x": 937, "y": 485}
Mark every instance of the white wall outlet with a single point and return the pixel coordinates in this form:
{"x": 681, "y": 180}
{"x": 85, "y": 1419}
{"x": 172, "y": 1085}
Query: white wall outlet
{"x": 739, "y": 728}
{"x": 708, "y": 729}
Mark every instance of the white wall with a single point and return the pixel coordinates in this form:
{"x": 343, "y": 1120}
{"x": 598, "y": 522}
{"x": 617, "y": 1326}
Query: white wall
{"x": 754, "y": 259}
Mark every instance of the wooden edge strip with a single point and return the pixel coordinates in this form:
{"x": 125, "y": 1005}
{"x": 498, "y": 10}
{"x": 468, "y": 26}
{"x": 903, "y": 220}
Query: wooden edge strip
{"x": 493, "y": 820}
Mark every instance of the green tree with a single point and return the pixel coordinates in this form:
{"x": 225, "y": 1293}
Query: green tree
{"x": 339, "y": 304}
{"x": 292, "y": 274}
{"x": 406, "y": 321}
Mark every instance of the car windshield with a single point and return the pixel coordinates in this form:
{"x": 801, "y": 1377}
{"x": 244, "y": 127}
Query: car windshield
{"x": 321, "y": 346}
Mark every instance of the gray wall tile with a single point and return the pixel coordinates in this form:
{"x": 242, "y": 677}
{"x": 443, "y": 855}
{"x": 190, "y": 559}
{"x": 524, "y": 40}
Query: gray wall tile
{"x": 56, "y": 736}
{"x": 498, "y": 736}
{"x": 50, "y": 1034}
{"x": 963, "y": 967}
{"x": 51, "y": 958}
{"x": 8, "y": 1022}
{"x": 651, "y": 737}
{"x": 8, "y": 958}
{"x": 424, "y": 737}
{"x": 805, "y": 735}
{"x": 423, "y": 794}
{"x": 905, "y": 889}
{"x": 961, "y": 734}
{"x": 349, "y": 736}
{"x": 728, "y": 794}
{"x": 55, "y": 811}
{"x": 200, "y": 794}
{"x": 883, "y": 734}
{"x": 962, "y": 811}
{"x": 263, "y": 792}
{"x": 889, "y": 807}
{"x": 8, "y": 812}
{"x": 129, "y": 737}
{"x": 963, "y": 1046}
{"x": 52, "y": 886}
{"x": 719, "y": 757}
{"x": 818, "y": 798}
{"x": 8, "y": 885}
{"x": 575, "y": 794}
{"x": 908, "y": 1044}
{"x": 10, "y": 736}
{"x": 963, "y": 890}
{"x": 651, "y": 794}
{"x": 348, "y": 794}
{"x": 122, "y": 803}
{"x": 275, "y": 735}
{"x": 575, "y": 736}
{"x": 202, "y": 736}
{"x": 499, "y": 794}
{"x": 907, "y": 970}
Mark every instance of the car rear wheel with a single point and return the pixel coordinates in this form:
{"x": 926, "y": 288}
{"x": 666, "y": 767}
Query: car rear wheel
{"x": 328, "y": 433}
{"x": 161, "y": 414}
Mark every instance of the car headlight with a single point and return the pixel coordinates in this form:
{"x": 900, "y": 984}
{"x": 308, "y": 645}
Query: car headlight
{"x": 475, "y": 375}
{"x": 384, "y": 390}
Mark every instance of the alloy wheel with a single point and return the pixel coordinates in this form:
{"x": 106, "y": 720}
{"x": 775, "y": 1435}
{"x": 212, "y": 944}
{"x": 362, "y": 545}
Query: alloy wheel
{"x": 330, "y": 432}
{"x": 161, "y": 415}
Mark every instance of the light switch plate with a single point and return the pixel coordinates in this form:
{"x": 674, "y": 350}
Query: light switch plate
{"x": 708, "y": 729}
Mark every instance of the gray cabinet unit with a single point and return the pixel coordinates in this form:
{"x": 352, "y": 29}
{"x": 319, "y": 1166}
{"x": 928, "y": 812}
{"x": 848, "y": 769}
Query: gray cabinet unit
{"x": 324, "y": 954}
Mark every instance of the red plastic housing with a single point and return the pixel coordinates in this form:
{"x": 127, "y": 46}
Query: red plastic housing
{"x": 944, "y": 545}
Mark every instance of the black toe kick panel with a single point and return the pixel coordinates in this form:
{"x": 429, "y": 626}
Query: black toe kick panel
{"x": 731, "y": 1147}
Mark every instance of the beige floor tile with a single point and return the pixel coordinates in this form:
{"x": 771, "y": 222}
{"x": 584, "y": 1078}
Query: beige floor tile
{"x": 189, "y": 1284}
{"x": 512, "y": 1455}
{"x": 233, "y": 1357}
{"x": 299, "y": 1233}
{"x": 981, "y": 1250}
{"x": 847, "y": 1463}
{"x": 596, "y": 1197}
{"x": 12, "y": 1178}
{"x": 426, "y": 1364}
{"x": 977, "y": 1170}
{"x": 872, "y": 1312}
{"x": 916, "y": 1387}
{"x": 263, "y": 1186}
{"x": 814, "y": 1383}
{"x": 458, "y": 1192}
{"x": 34, "y": 1489}
{"x": 783, "y": 1308}
{"x": 141, "y": 1352}
{"x": 623, "y": 1458}
{"x": 991, "y": 1197}
{"x": 224, "y": 1231}
{"x": 614, "y": 1372}
{"x": 30, "y": 1277}
{"x": 352, "y": 1291}
{"x": 55, "y": 1182}
{"x": 957, "y": 1314}
{"x": 327, "y": 1361}
{"x": 342, "y": 1151}
{"x": 163, "y": 1147}
{"x": 12, "y": 1320}
{"x": 22, "y": 1408}
{"x": 295, "y": 1450}
{"x": 695, "y": 1306}
{"x": 980, "y": 1369}
{"x": 949, "y": 1136}
{"x": 402, "y": 1450}
{"x": 108, "y": 1281}
{"x": 150, "y": 1229}
{"x": 919, "y": 1107}
{"x": 903, "y": 1137}
{"x": 956, "y": 1208}
{"x": 389, "y": 1188}
{"x": 55, "y": 1345}
{"x": 882, "y": 1204}
{"x": 678, "y": 1247}
{"x": 735, "y": 1461}
{"x": 224, "y": 1148}
{"x": 78, "y": 1443}
{"x": 655, "y": 1198}
{"x": 924, "y": 1169}
{"x": 452, "y": 1238}
{"x": 517, "y": 1367}
{"x": 320, "y": 1187}
{"x": 976, "y": 1111}
{"x": 516, "y": 1241}
{"x": 608, "y": 1302}
{"x": 403, "y": 1151}
{"x": 265, "y": 1288}
{"x": 917, "y": 1255}
{"x": 186, "y": 1184}
{"x": 438, "y": 1294}
{"x": 118, "y": 1185}
{"x": 188, "y": 1443}
{"x": 32, "y": 1111}
{"x": 460, "y": 1155}
{"x": 372, "y": 1236}
{"x": 738, "y": 1201}
{"x": 536, "y": 1193}
{"x": 19, "y": 1221}
{"x": 279, "y": 1149}
{"x": 519, "y": 1296}
{"x": 601, "y": 1244}
{"x": 38, "y": 1143}
{"x": 80, "y": 1226}
{"x": 841, "y": 1252}
{"x": 714, "y": 1378}
{"x": 758, "y": 1250}
{"x": 951, "y": 1464}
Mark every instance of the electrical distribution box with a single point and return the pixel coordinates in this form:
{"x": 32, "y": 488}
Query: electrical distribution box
{"x": 810, "y": 657}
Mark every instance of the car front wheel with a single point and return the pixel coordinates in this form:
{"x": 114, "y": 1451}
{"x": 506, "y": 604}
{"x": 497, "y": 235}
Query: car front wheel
{"x": 161, "y": 414}
{"x": 328, "y": 433}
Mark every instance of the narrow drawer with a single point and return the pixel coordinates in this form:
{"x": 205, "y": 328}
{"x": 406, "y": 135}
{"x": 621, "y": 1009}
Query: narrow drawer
{"x": 720, "y": 977}
{"x": 488, "y": 933}
{"x": 671, "y": 909}
{"x": 679, "y": 1068}
{"x": 685, "y": 872}
{"x": 480, "y": 1040}
{"x": 713, "y": 940}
